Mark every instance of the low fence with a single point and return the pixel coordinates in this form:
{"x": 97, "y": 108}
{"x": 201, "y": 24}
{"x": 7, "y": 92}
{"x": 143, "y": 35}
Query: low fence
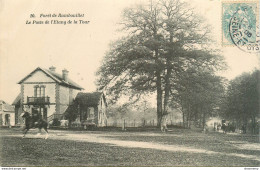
{"x": 54, "y": 116}
{"x": 138, "y": 123}
{"x": 119, "y": 123}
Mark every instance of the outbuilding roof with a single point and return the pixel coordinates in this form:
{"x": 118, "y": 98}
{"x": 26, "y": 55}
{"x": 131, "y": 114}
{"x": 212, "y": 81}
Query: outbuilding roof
{"x": 89, "y": 99}
{"x": 17, "y": 100}
{"x": 6, "y": 107}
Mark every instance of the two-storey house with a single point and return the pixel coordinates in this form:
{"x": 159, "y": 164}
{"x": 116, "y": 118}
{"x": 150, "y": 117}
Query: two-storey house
{"x": 46, "y": 92}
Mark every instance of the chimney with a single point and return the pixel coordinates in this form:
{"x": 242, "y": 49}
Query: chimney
{"x": 52, "y": 68}
{"x": 65, "y": 75}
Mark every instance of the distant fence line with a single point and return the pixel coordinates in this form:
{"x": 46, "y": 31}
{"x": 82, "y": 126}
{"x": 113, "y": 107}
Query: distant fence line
{"x": 137, "y": 123}
{"x": 124, "y": 123}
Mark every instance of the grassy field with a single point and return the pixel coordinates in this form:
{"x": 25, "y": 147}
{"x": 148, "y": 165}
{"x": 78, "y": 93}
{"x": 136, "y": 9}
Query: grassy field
{"x": 98, "y": 148}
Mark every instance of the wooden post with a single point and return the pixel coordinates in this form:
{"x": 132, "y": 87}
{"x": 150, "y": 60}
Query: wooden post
{"x": 123, "y": 125}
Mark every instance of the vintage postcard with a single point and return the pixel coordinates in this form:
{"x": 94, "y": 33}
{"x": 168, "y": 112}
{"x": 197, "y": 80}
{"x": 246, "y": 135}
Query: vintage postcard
{"x": 140, "y": 83}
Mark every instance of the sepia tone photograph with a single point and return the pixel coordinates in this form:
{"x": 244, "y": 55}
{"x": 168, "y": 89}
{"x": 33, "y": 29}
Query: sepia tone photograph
{"x": 138, "y": 83}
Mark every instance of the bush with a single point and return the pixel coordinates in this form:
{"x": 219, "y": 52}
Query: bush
{"x": 56, "y": 122}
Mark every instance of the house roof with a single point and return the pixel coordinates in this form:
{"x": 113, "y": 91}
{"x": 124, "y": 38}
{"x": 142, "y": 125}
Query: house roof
{"x": 7, "y": 107}
{"x": 17, "y": 100}
{"x": 89, "y": 99}
{"x": 55, "y": 76}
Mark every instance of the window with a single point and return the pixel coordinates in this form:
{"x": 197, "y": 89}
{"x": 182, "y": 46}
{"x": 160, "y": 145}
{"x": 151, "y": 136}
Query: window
{"x": 35, "y": 90}
{"x": 42, "y": 91}
{"x": 90, "y": 113}
{"x": 39, "y": 91}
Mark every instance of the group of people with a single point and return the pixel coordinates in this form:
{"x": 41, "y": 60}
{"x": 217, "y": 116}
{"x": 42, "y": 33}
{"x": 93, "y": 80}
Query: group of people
{"x": 228, "y": 127}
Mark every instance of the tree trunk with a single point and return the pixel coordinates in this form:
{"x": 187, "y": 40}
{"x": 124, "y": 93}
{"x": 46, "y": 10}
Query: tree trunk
{"x": 188, "y": 116}
{"x": 158, "y": 84}
{"x": 204, "y": 120}
{"x": 159, "y": 98}
{"x": 196, "y": 115}
{"x": 253, "y": 125}
{"x": 183, "y": 116}
{"x": 200, "y": 123}
{"x": 166, "y": 98}
{"x": 167, "y": 88}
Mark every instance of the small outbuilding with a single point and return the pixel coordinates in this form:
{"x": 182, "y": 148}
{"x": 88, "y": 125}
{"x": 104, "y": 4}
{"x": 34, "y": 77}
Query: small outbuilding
{"x": 92, "y": 108}
{"x": 7, "y": 114}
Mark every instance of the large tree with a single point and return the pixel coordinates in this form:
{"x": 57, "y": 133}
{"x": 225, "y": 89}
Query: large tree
{"x": 165, "y": 39}
{"x": 241, "y": 102}
{"x": 200, "y": 94}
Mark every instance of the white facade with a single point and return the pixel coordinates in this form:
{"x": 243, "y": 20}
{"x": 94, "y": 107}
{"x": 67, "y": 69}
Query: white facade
{"x": 7, "y": 114}
{"x": 39, "y": 79}
{"x": 8, "y": 118}
{"x": 47, "y": 93}
{"x": 66, "y": 96}
{"x": 102, "y": 112}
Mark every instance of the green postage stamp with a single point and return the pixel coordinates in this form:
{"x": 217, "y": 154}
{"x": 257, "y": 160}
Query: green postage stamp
{"x": 240, "y": 25}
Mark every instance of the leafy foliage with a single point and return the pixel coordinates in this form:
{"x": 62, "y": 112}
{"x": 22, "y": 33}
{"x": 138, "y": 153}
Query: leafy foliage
{"x": 71, "y": 113}
{"x": 56, "y": 122}
{"x": 241, "y": 102}
{"x": 200, "y": 96}
{"x": 167, "y": 41}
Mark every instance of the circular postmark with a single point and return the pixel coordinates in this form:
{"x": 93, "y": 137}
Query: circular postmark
{"x": 244, "y": 31}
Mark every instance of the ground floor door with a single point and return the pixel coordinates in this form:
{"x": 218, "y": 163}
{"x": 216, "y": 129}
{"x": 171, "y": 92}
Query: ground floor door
{"x": 7, "y": 119}
{"x": 44, "y": 114}
{"x": 41, "y": 111}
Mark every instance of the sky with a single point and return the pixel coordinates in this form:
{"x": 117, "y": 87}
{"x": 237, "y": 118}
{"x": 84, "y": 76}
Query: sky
{"x": 80, "y": 47}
